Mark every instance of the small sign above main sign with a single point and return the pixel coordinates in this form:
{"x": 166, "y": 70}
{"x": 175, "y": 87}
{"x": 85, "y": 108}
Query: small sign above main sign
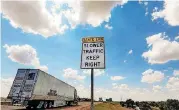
{"x": 93, "y": 39}
{"x": 93, "y": 53}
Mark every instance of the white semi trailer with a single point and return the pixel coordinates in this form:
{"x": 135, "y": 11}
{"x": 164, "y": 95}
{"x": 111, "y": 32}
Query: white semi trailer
{"x": 34, "y": 88}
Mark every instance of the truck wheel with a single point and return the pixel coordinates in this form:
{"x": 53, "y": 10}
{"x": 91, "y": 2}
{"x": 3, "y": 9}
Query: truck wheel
{"x": 50, "y": 105}
{"x": 28, "y": 107}
{"x": 34, "y": 107}
{"x": 69, "y": 103}
{"x": 76, "y": 103}
{"x": 45, "y": 105}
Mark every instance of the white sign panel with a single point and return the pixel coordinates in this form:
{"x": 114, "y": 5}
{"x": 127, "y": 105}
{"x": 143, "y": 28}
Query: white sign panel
{"x": 93, "y": 53}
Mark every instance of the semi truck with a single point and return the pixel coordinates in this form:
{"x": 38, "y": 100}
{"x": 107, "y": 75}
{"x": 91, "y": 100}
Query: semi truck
{"x": 34, "y": 88}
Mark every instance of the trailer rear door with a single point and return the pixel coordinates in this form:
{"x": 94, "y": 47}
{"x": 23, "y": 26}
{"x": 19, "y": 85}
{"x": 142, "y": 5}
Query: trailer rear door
{"x": 23, "y": 84}
{"x": 29, "y": 84}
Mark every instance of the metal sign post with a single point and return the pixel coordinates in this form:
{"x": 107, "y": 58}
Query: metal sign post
{"x": 92, "y": 87}
{"x": 92, "y": 57}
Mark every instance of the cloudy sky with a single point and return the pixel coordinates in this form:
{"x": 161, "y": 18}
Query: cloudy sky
{"x": 141, "y": 41}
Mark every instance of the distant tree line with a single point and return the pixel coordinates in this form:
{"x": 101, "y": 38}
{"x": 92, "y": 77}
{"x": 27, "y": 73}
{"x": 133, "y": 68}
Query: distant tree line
{"x": 84, "y": 99}
{"x": 109, "y": 100}
{"x": 170, "y": 104}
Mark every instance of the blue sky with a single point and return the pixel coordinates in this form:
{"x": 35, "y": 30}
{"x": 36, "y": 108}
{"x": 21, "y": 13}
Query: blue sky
{"x": 130, "y": 28}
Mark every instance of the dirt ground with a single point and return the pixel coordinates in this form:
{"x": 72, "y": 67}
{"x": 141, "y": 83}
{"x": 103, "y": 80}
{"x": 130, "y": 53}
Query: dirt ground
{"x": 80, "y": 106}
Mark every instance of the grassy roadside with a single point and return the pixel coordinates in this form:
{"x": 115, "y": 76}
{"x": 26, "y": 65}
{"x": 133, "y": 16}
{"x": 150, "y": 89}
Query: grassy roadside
{"x": 155, "y": 108}
{"x": 109, "y": 106}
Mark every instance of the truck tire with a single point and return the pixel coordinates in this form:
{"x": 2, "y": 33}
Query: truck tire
{"x": 50, "y": 105}
{"x": 69, "y": 103}
{"x": 45, "y": 105}
{"x": 76, "y": 103}
{"x": 28, "y": 107}
{"x": 35, "y": 106}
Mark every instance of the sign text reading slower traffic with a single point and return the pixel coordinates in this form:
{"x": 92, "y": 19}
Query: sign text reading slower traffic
{"x": 93, "y": 53}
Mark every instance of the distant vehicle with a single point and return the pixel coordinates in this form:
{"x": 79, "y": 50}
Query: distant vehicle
{"x": 100, "y": 99}
{"x": 109, "y": 100}
{"x": 34, "y": 88}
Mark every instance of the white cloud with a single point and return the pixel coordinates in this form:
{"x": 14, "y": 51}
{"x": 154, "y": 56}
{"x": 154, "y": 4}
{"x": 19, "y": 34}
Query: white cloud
{"x": 97, "y": 72}
{"x": 140, "y": 1}
{"x": 145, "y": 3}
{"x": 173, "y": 84}
{"x": 6, "y": 84}
{"x": 157, "y": 88}
{"x": 43, "y": 68}
{"x": 123, "y": 87}
{"x": 83, "y": 91}
{"x": 88, "y": 12}
{"x": 120, "y": 86}
{"x": 169, "y": 13}
{"x": 176, "y": 72}
{"x": 170, "y": 68}
{"x": 24, "y": 54}
{"x": 151, "y": 76}
{"x": 161, "y": 50}
{"x": 155, "y": 9}
{"x": 146, "y": 13}
{"x": 130, "y": 51}
{"x": 177, "y": 38}
{"x": 146, "y": 10}
{"x": 70, "y": 73}
{"x": 108, "y": 27}
{"x": 115, "y": 78}
{"x": 114, "y": 84}
{"x": 141, "y": 94}
{"x": 33, "y": 17}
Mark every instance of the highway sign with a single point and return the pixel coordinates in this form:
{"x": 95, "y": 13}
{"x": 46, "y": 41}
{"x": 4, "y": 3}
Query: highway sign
{"x": 93, "y": 53}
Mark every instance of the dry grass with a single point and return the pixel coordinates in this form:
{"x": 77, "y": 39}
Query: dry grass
{"x": 155, "y": 108}
{"x": 109, "y": 106}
